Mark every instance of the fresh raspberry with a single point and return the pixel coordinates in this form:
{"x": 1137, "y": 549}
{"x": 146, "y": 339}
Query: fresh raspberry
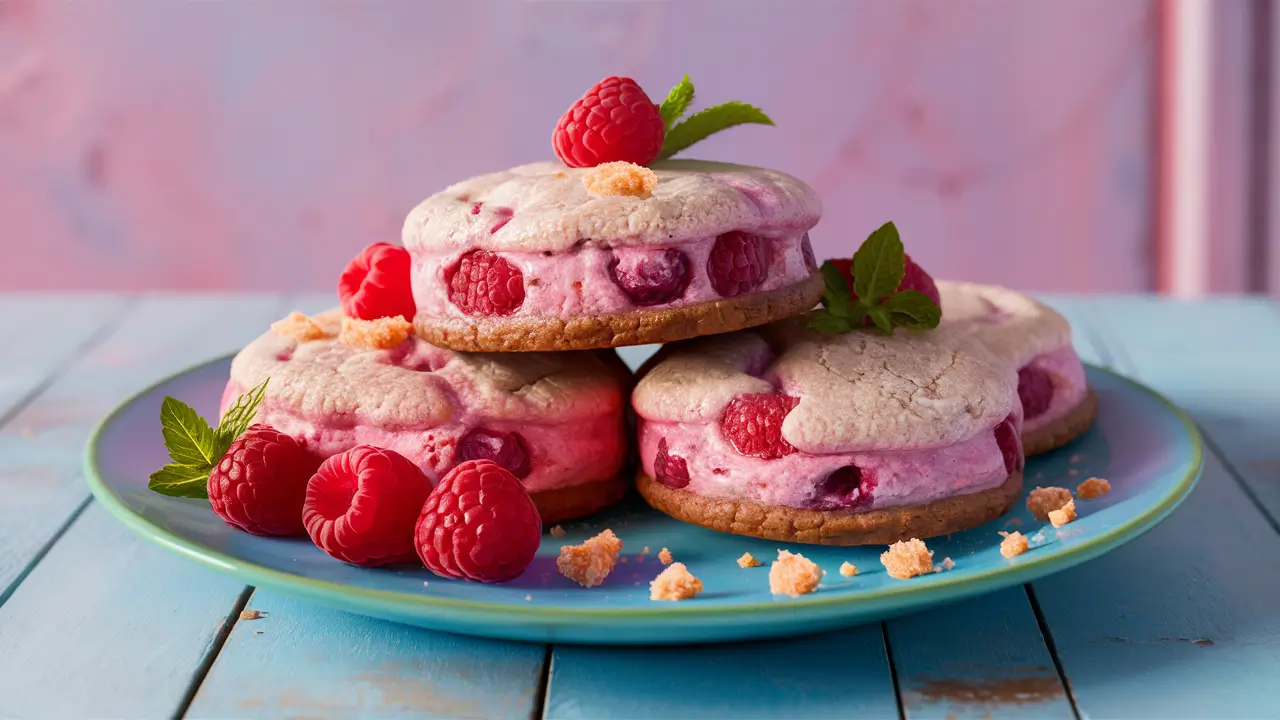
{"x": 614, "y": 121}
{"x": 482, "y": 283}
{"x": 670, "y": 470}
{"x": 260, "y": 483}
{"x": 913, "y": 278}
{"x": 1035, "y": 390}
{"x": 376, "y": 284}
{"x": 848, "y": 488}
{"x": 479, "y": 524}
{"x": 1010, "y": 445}
{"x": 651, "y": 278}
{"x": 738, "y": 263}
{"x": 508, "y": 450}
{"x": 362, "y": 504}
{"x": 753, "y": 424}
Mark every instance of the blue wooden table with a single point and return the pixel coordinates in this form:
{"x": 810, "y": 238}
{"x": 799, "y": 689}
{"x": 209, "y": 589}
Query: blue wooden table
{"x": 1184, "y": 622}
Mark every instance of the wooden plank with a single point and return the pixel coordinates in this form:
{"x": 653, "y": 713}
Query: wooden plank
{"x": 303, "y": 660}
{"x": 41, "y": 333}
{"x": 1180, "y": 623}
{"x": 838, "y": 674}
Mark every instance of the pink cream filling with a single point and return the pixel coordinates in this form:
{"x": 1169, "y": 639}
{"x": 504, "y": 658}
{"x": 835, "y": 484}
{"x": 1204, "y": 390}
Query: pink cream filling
{"x": 560, "y": 455}
{"x": 1069, "y": 385}
{"x": 579, "y": 282}
{"x": 800, "y": 480}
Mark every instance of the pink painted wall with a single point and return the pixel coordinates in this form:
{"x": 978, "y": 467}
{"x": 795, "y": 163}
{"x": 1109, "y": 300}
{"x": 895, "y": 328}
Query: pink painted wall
{"x": 149, "y": 144}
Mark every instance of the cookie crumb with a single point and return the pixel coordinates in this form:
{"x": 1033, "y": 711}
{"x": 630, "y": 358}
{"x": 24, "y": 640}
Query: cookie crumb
{"x": 620, "y": 178}
{"x": 907, "y": 559}
{"x": 528, "y": 598}
{"x": 848, "y": 569}
{"x": 425, "y": 583}
{"x": 748, "y": 561}
{"x": 1064, "y": 514}
{"x": 645, "y": 551}
{"x": 1073, "y": 472}
{"x": 591, "y": 562}
{"x": 1044, "y": 500}
{"x": 674, "y": 583}
{"x": 1014, "y": 543}
{"x": 945, "y": 565}
{"x": 665, "y": 556}
{"x": 299, "y": 327}
{"x": 557, "y": 531}
{"x": 381, "y": 334}
{"x": 793, "y": 574}
{"x": 1092, "y": 488}
{"x": 251, "y": 614}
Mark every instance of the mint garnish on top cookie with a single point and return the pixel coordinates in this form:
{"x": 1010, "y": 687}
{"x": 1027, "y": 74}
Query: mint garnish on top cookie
{"x": 194, "y": 447}
{"x": 881, "y": 285}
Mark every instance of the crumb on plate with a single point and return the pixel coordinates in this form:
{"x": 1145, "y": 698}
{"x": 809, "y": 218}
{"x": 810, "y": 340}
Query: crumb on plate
{"x": 299, "y": 327}
{"x": 251, "y": 614}
{"x": 557, "y": 531}
{"x": 665, "y": 556}
{"x": 748, "y": 561}
{"x": 793, "y": 574}
{"x": 1044, "y": 500}
{"x": 945, "y": 565}
{"x": 591, "y": 562}
{"x": 1013, "y": 544}
{"x": 1092, "y": 488}
{"x": 1064, "y": 514}
{"x": 848, "y": 569}
{"x": 674, "y": 583}
{"x": 620, "y": 178}
{"x": 907, "y": 559}
{"x": 381, "y": 334}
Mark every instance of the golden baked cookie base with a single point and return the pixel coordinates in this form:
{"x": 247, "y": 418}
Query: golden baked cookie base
{"x": 833, "y": 527}
{"x": 1064, "y": 429}
{"x": 570, "y": 503}
{"x": 638, "y": 327}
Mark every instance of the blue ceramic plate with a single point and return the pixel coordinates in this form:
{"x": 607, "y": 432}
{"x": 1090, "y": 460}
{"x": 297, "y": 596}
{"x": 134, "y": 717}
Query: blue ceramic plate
{"x": 1147, "y": 447}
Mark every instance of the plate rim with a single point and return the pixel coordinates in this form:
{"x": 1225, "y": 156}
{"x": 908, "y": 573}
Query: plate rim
{"x": 418, "y": 605}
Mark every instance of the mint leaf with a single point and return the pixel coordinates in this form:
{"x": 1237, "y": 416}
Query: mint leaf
{"x": 914, "y": 310}
{"x": 181, "y": 481}
{"x": 187, "y": 437}
{"x": 837, "y": 297}
{"x": 677, "y": 102}
{"x": 879, "y": 264}
{"x": 880, "y": 317}
{"x": 707, "y": 122}
{"x": 825, "y": 322}
{"x": 240, "y": 415}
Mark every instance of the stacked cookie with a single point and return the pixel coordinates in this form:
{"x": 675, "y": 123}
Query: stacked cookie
{"x": 856, "y": 403}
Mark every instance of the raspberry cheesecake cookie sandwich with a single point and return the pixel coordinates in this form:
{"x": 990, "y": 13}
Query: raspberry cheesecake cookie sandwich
{"x": 553, "y": 420}
{"x": 615, "y": 244}
{"x": 855, "y": 424}
{"x": 1057, "y": 404}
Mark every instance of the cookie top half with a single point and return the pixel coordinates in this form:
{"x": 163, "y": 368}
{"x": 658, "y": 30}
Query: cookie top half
{"x": 1014, "y": 326}
{"x": 547, "y": 207}
{"x": 856, "y": 391}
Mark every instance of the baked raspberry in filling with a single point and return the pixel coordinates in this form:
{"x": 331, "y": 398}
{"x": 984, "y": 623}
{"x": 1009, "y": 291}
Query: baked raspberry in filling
{"x": 1050, "y": 386}
{"x": 595, "y": 280}
{"x": 698, "y": 458}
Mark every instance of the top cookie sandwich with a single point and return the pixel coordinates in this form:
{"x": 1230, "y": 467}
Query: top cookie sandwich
{"x": 614, "y": 245}
{"x": 1057, "y": 405}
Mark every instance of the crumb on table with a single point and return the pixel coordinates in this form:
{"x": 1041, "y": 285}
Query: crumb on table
{"x": 591, "y": 562}
{"x": 620, "y": 178}
{"x": 381, "y": 334}
{"x": 1044, "y": 500}
{"x": 674, "y": 583}
{"x": 299, "y": 327}
{"x": 848, "y": 569}
{"x": 907, "y": 559}
{"x": 1013, "y": 544}
{"x": 557, "y": 531}
{"x": 1092, "y": 488}
{"x": 748, "y": 561}
{"x": 1063, "y": 515}
{"x": 665, "y": 556}
{"x": 793, "y": 574}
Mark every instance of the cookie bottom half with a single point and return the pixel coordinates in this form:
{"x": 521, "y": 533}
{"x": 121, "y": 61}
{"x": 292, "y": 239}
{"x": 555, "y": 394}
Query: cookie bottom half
{"x": 1063, "y": 430}
{"x": 833, "y": 527}
{"x": 576, "y": 501}
{"x": 639, "y": 327}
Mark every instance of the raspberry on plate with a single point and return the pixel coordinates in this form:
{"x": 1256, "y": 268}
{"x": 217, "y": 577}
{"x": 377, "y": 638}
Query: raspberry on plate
{"x": 478, "y": 524}
{"x": 362, "y": 504}
{"x": 376, "y": 284}
{"x": 614, "y": 121}
{"x": 260, "y": 483}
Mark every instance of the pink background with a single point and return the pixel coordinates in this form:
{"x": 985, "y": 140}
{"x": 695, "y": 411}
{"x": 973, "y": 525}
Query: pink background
{"x": 261, "y": 145}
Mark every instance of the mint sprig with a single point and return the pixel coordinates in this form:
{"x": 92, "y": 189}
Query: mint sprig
{"x": 878, "y": 268}
{"x": 196, "y": 448}
{"x": 704, "y": 123}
